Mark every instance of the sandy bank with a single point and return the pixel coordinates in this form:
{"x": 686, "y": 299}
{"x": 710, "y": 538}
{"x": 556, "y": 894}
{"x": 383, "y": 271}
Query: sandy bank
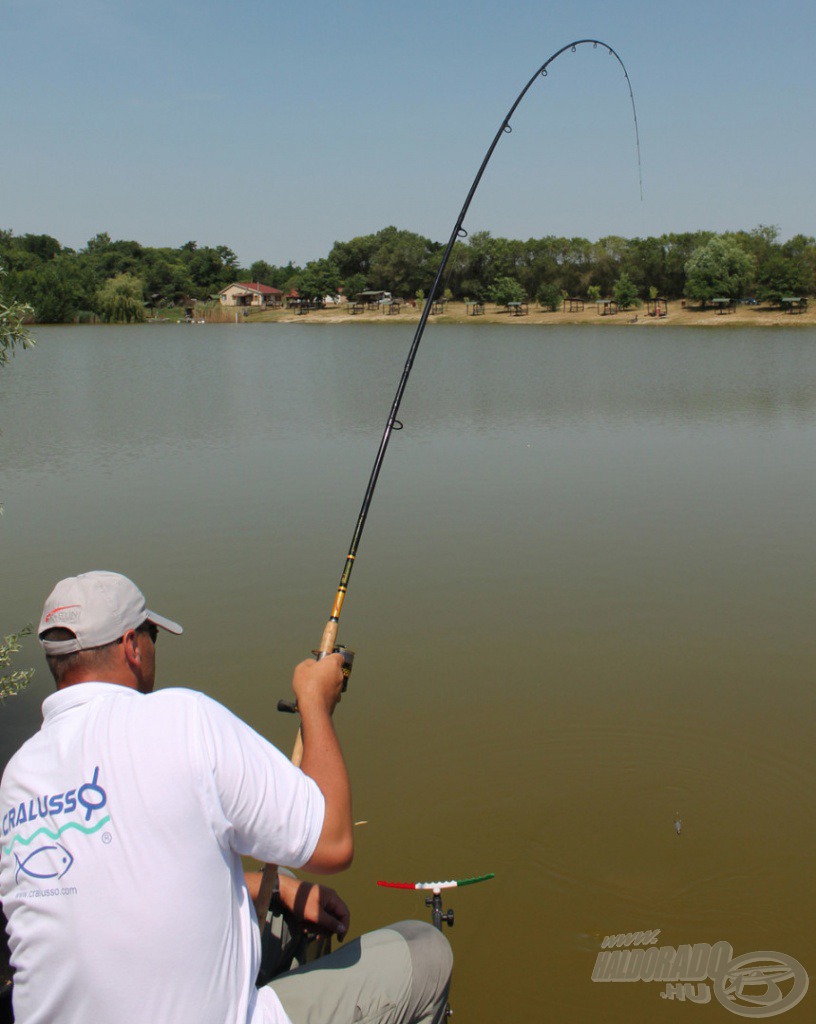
{"x": 455, "y": 312}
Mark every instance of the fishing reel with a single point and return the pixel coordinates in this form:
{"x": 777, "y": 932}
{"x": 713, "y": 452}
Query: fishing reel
{"x": 290, "y": 706}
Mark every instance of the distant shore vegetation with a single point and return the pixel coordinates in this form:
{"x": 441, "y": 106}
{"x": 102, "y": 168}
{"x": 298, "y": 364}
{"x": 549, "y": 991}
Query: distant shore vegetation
{"x": 125, "y": 281}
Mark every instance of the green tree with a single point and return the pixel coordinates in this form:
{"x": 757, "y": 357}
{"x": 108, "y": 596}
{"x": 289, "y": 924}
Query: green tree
{"x": 107, "y": 259}
{"x": 45, "y": 275}
{"x": 490, "y": 259}
{"x": 802, "y": 249}
{"x": 549, "y": 296}
{"x": 44, "y": 247}
{"x": 393, "y": 260}
{"x": 780, "y": 276}
{"x": 262, "y": 273}
{"x": 761, "y": 243}
{"x": 282, "y": 278}
{"x": 210, "y": 269}
{"x": 165, "y": 276}
{"x": 100, "y": 242}
{"x": 456, "y": 274}
{"x": 354, "y": 256}
{"x": 59, "y": 289}
{"x": 318, "y": 279}
{"x": 608, "y": 254}
{"x": 718, "y": 268}
{"x": 574, "y": 260}
{"x": 506, "y": 290}
{"x": 625, "y": 291}
{"x": 353, "y": 285}
{"x": 402, "y": 262}
{"x": 120, "y": 300}
{"x": 644, "y": 262}
{"x": 678, "y": 249}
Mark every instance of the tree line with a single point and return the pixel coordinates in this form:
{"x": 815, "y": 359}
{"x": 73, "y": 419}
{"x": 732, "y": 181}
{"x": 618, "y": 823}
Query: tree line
{"x": 120, "y": 280}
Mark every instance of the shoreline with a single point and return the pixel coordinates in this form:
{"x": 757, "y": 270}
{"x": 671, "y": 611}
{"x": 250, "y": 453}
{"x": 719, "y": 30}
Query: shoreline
{"x": 679, "y": 315}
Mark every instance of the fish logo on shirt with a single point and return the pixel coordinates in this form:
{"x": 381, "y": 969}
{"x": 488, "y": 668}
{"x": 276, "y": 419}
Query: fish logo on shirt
{"x": 52, "y": 861}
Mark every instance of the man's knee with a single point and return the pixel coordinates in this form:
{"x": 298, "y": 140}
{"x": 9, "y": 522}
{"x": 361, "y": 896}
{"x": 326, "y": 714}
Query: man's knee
{"x": 431, "y": 960}
{"x": 396, "y": 975}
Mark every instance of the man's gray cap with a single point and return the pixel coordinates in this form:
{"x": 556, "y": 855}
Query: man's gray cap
{"x": 97, "y": 607}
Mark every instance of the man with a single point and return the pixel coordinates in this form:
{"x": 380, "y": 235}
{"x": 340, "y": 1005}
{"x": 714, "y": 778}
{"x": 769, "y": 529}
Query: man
{"x": 123, "y": 824}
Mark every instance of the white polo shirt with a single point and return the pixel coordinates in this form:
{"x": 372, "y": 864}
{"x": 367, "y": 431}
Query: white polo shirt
{"x": 123, "y": 823}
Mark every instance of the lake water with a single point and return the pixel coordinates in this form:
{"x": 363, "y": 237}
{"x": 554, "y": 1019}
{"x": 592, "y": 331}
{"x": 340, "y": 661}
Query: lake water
{"x": 582, "y": 609}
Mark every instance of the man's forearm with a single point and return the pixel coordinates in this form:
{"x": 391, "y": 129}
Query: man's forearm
{"x": 323, "y": 762}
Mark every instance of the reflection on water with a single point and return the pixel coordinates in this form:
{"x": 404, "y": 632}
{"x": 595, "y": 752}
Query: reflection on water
{"x": 582, "y": 607}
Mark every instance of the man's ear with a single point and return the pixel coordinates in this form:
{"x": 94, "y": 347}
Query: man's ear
{"x": 130, "y": 646}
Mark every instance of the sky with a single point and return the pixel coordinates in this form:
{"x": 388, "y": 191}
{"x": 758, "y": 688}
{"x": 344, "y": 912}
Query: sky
{"x": 277, "y": 129}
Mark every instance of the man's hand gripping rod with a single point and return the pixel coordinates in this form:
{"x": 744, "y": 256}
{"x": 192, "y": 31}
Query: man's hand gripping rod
{"x": 328, "y": 646}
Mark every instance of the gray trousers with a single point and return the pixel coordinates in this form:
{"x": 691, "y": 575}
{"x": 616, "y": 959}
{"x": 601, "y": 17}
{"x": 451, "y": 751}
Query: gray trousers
{"x": 395, "y": 975}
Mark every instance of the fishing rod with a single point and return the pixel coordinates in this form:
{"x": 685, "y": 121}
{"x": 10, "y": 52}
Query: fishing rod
{"x": 328, "y": 641}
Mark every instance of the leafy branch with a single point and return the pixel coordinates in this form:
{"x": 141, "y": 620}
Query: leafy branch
{"x": 13, "y": 335}
{"x": 12, "y": 682}
{"x": 13, "y": 332}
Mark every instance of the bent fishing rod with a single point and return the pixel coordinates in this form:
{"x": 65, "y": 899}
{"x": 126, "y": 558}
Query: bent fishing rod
{"x": 328, "y": 641}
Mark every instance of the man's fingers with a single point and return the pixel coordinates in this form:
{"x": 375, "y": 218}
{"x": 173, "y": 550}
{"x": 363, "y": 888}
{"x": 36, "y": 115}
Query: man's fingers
{"x": 321, "y": 680}
{"x": 319, "y": 908}
{"x": 326, "y": 911}
{"x": 331, "y": 925}
{"x": 338, "y": 910}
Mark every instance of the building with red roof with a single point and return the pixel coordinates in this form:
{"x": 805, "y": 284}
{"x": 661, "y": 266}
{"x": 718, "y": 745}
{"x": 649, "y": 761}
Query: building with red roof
{"x": 250, "y": 294}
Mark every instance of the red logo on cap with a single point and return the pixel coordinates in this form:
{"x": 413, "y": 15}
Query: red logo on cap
{"x": 62, "y": 608}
